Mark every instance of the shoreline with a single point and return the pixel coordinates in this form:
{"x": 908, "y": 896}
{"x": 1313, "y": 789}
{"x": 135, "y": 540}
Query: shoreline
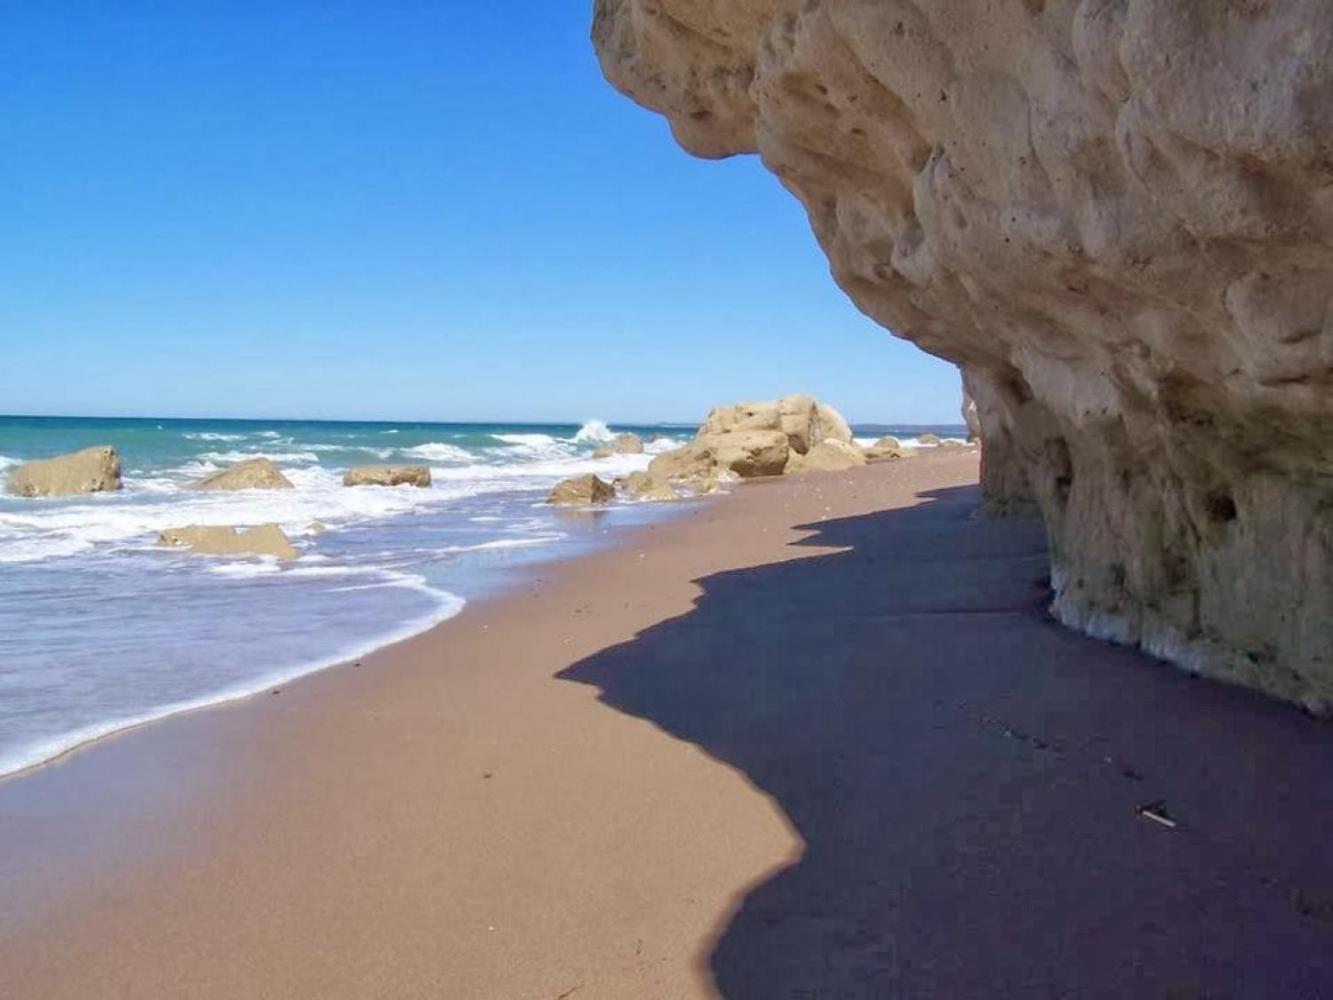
{"x": 818, "y": 734}
{"x": 62, "y": 747}
{"x": 450, "y": 604}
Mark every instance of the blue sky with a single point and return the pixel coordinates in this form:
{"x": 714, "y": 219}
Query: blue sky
{"x": 398, "y": 210}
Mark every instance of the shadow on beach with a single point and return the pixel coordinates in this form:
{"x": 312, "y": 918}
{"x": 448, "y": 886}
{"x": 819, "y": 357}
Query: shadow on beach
{"x": 990, "y": 803}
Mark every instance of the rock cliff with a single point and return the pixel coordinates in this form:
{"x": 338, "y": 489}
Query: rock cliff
{"x": 1117, "y": 217}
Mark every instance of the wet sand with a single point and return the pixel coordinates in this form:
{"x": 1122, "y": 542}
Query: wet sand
{"x": 814, "y": 739}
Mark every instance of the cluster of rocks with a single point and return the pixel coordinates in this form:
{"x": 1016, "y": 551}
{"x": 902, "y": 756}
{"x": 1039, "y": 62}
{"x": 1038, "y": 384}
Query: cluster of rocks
{"x": 97, "y": 470}
{"x": 790, "y": 436}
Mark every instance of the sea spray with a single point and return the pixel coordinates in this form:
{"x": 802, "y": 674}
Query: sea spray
{"x": 101, "y": 629}
{"x": 160, "y": 631}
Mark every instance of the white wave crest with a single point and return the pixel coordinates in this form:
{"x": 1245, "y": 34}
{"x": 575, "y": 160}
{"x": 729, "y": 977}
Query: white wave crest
{"x": 438, "y": 451}
{"x": 274, "y": 456}
{"x": 593, "y": 432}
{"x": 526, "y": 440}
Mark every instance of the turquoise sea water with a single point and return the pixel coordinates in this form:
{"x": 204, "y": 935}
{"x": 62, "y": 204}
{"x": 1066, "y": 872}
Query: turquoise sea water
{"x": 101, "y": 629}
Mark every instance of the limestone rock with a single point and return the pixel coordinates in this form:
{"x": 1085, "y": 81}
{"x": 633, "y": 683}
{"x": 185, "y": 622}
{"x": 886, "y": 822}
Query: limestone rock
{"x": 829, "y": 456}
{"x": 884, "y": 448}
{"x": 928, "y": 440}
{"x": 587, "y": 489}
{"x": 92, "y": 470}
{"x": 804, "y": 420}
{"x": 643, "y": 486}
{"x": 387, "y": 475}
{"x": 709, "y": 482}
{"x": 829, "y": 425}
{"x": 223, "y": 540}
{"x": 621, "y": 444}
{"x": 748, "y": 453}
{"x": 970, "y": 416}
{"x": 1115, "y": 217}
{"x": 251, "y": 474}
{"x": 690, "y": 461}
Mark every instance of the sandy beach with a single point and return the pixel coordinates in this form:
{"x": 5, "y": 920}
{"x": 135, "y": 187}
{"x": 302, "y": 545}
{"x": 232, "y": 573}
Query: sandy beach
{"x": 816, "y": 738}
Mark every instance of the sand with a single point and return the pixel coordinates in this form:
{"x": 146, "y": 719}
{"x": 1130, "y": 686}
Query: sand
{"x": 814, "y": 739}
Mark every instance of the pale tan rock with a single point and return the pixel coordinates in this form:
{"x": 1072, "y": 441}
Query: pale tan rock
{"x": 251, "y": 474}
{"x": 387, "y": 475}
{"x": 829, "y": 425}
{"x": 885, "y": 448}
{"x": 928, "y": 440}
{"x": 587, "y": 489}
{"x": 642, "y": 486}
{"x": 747, "y": 453}
{"x": 622, "y": 444}
{"x": 690, "y": 461}
{"x": 829, "y": 456}
{"x": 1115, "y": 216}
{"x": 224, "y": 540}
{"x": 804, "y": 420}
{"x": 92, "y": 470}
{"x": 627, "y": 444}
{"x": 970, "y": 416}
{"x": 709, "y": 482}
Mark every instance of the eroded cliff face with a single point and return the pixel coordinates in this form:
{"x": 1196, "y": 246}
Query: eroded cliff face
{"x": 1117, "y": 217}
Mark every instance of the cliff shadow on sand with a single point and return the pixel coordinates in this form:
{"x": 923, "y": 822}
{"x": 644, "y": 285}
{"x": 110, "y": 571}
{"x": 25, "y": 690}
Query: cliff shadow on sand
{"x": 990, "y": 804}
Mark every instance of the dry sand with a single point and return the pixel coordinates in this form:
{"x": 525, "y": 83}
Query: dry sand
{"x": 852, "y": 760}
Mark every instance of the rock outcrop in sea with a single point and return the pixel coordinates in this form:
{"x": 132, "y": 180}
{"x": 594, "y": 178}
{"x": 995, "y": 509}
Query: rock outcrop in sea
{"x": 387, "y": 475}
{"x": 1117, "y": 217}
{"x": 224, "y": 540}
{"x": 251, "y": 474}
{"x": 92, "y": 470}
{"x": 621, "y": 444}
{"x": 579, "y": 490}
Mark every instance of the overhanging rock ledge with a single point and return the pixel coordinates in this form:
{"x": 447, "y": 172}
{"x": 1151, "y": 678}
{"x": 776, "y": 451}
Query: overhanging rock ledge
{"x": 1117, "y": 217}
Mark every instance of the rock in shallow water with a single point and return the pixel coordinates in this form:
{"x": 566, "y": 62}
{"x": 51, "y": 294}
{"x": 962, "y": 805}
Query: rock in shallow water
{"x": 587, "y": 489}
{"x": 252, "y": 474}
{"x": 224, "y": 540}
{"x": 387, "y": 475}
{"x": 622, "y": 444}
{"x": 644, "y": 486}
{"x": 1116, "y": 218}
{"x": 92, "y": 470}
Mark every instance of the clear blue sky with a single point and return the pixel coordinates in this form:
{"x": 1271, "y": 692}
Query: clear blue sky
{"x": 395, "y": 209}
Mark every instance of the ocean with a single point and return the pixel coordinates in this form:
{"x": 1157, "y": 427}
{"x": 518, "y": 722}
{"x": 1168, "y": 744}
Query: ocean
{"x": 101, "y": 629}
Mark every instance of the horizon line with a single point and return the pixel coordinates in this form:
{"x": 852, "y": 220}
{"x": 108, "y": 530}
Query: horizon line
{"x": 411, "y": 420}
